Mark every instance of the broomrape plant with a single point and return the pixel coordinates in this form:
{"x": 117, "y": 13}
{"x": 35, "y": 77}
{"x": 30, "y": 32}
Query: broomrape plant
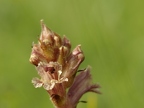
{"x": 57, "y": 67}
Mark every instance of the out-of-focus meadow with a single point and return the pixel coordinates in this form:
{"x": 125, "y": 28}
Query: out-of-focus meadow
{"x": 111, "y": 33}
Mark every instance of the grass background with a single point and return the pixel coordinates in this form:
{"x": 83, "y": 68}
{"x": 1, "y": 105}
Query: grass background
{"x": 111, "y": 33}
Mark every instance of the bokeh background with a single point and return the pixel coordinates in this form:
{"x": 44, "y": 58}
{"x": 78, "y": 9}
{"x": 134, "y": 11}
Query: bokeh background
{"x": 111, "y": 33}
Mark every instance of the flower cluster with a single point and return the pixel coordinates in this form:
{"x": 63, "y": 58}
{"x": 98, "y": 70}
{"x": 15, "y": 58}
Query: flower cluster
{"x": 57, "y": 67}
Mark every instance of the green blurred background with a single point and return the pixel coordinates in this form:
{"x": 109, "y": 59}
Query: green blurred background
{"x": 111, "y": 33}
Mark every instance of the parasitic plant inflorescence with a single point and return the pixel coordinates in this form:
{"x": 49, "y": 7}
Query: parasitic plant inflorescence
{"x": 57, "y": 67}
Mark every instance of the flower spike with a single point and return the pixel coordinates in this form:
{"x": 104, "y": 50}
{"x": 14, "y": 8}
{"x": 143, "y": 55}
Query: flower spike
{"x": 57, "y": 67}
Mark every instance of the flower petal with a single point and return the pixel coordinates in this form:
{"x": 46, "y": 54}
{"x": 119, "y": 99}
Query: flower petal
{"x": 49, "y": 86}
{"x": 81, "y": 85}
{"x": 37, "y": 82}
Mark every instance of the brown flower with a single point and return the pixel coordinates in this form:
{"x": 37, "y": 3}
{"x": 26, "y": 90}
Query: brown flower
{"x": 57, "y": 68}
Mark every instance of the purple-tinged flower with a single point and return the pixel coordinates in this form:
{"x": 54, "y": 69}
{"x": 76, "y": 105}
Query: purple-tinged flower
{"x": 82, "y": 85}
{"x": 50, "y": 74}
{"x": 57, "y": 67}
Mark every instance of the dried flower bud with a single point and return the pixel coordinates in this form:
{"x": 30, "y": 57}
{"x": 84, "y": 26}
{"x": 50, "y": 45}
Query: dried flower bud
{"x": 61, "y": 58}
{"x": 72, "y": 64}
{"x": 36, "y": 55}
{"x": 67, "y": 44}
{"x": 57, "y": 40}
{"x": 46, "y": 35}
